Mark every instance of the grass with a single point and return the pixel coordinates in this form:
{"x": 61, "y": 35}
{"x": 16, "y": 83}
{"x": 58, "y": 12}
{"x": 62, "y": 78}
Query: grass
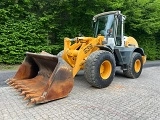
{"x": 4, "y": 67}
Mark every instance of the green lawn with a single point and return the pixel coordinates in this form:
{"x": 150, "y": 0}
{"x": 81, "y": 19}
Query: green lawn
{"x": 4, "y": 67}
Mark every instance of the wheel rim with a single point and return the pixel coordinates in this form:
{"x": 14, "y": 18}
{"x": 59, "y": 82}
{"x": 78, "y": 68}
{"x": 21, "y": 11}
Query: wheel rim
{"x": 105, "y": 69}
{"x": 137, "y": 65}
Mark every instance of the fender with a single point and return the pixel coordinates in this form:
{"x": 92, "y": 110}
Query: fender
{"x": 102, "y": 47}
{"x": 127, "y": 52}
{"x": 139, "y": 50}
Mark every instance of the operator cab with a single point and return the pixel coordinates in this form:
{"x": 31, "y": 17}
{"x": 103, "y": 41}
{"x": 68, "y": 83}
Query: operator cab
{"x": 110, "y": 25}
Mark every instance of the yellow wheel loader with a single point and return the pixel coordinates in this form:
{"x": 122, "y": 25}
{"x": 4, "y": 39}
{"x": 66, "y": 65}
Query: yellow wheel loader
{"x": 43, "y": 77}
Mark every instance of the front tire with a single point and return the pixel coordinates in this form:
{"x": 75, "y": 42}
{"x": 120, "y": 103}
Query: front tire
{"x": 99, "y": 68}
{"x": 135, "y": 66}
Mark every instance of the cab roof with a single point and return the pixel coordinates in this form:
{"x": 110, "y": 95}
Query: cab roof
{"x": 105, "y": 13}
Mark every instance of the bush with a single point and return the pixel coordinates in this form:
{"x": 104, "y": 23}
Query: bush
{"x": 18, "y": 36}
{"x": 150, "y": 48}
{"x": 38, "y": 25}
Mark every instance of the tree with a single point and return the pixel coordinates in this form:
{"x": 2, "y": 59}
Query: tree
{"x": 42, "y": 24}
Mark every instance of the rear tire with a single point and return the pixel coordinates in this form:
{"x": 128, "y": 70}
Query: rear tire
{"x": 135, "y": 66}
{"x": 99, "y": 68}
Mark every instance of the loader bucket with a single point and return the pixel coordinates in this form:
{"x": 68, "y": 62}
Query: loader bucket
{"x": 43, "y": 77}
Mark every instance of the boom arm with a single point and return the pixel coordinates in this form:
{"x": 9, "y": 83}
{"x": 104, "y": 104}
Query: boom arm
{"x": 75, "y": 54}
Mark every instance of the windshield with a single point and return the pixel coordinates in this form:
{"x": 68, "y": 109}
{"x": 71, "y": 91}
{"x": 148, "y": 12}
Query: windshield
{"x": 105, "y": 25}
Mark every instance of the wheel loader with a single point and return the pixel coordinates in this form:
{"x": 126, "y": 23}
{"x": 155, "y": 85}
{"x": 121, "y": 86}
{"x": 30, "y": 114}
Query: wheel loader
{"x": 44, "y": 77}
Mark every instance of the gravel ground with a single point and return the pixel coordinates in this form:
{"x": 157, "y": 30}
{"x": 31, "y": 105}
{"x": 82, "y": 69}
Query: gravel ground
{"x": 124, "y": 99}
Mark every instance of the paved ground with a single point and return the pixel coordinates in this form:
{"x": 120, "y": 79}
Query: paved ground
{"x": 124, "y": 99}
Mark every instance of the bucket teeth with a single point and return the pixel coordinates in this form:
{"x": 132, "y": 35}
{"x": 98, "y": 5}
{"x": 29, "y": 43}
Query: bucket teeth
{"x": 27, "y": 92}
{"x": 30, "y": 96}
{"x": 20, "y": 87}
{"x": 30, "y": 88}
{"x": 15, "y": 87}
{"x": 36, "y": 100}
{"x": 27, "y": 97}
{"x": 22, "y": 93}
{"x": 31, "y": 102}
{"x": 24, "y": 88}
{"x": 10, "y": 82}
{"x": 13, "y": 84}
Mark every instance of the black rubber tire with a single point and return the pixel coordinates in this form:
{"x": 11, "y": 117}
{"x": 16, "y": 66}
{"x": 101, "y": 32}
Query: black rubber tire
{"x": 60, "y": 53}
{"x": 130, "y": 72}
{"x": 92, "y": 68}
